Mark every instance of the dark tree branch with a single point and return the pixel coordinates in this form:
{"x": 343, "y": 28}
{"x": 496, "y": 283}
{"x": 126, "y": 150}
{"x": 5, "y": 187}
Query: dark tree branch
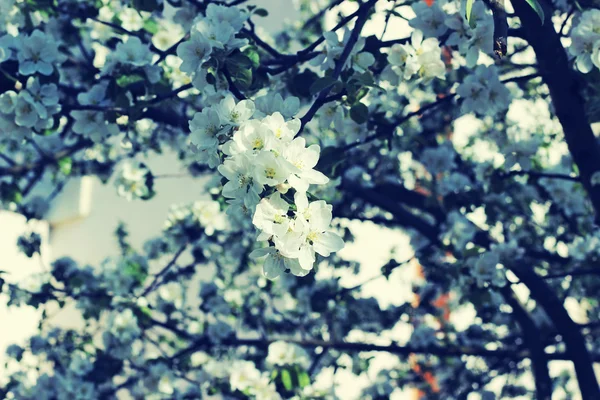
{"x": 156, "y": 281}
{"x": 566, "y": 97}
{"x": 401, "y": 215}
{"x": 569, "y": 330}
{"x": 539, "y": 175}
{"x": 500, "y": 27}
{"x": 363, "y": 13}
{"x": 539, "y": 289}
{"x": 446, "y": 351}
{"x": 387, "y": 130}
{"x": 570, "y": 110}
{"x": 44, "y": 161}
{"x": 532, "y": 338}
{"x": 575, "y": 272}
{"x": 232, "y": 87}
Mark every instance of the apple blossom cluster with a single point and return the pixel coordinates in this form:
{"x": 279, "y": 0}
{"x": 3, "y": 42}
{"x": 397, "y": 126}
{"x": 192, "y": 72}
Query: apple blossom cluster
{"x": 92, "y": 124}
{"x": 459, "y": 230}
{"x": 422, "y": 57}
{"x": 263, "y": 161}
{"x": 485, "y": 269}
{"x": 249, "y": 380}
{"x": 585, "y": 41}
{"x": 334, "y": 47}
{"x": 212, "y": 35}
{"x": 132, "y": 182}
{"x": 130, "y": 57}
{"x": 582, "y": 248}
{"x": 61, "y": 385}
{"x": 567, "y": 194}
{"x": 122, "y": 331}
{"x": 438, "y": 160}
{"x": 471, "y": 38}
{"x": 32, "y": 108}
{"x": 483, "y": 93}
{"x": 284, "y": 354}
{"x": 36, "y": 53}
{"x": 120, "y": 275}
{"x": 185, "y": 220}
{"x": 429, "y": 19}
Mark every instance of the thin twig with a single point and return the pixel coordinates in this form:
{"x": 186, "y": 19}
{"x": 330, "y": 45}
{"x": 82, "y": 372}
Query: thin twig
{"x": 158, "y": 276}
{"x": 232, "y": 87}
{"x": 322, "y": 98}
{"x": 539, "y": 175}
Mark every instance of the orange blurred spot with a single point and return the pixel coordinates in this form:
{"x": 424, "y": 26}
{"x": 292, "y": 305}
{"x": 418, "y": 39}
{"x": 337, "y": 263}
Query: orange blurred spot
{"x": 430, "y": 379}
{"x": 429, "y": 2}
{"x": 419, "y": 270}
{"x": 416, "y": 300}
{"x": 412, "y": 361}
{"x": 420, "y": 189}
{"x": 446, "y": 54}
{"x": 441, "y": 301}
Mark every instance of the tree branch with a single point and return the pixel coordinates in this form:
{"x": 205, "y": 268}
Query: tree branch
{"x": 532, "y": 338}
{"x": 569, "y": 108}
{"x": 363, "y": 13}
{"x": 446, "y": 351}
{"x": 564, "y": 90}
{"x": 500, "y": 27}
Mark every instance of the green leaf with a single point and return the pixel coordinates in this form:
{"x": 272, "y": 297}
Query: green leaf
{"x": 300, "y": 83}
{"x": 321, "y": 84}
{"x": 243, "y": 78}
{"x": 136, "y": 271}
{"x": 537, "y": 8}
{"x": 469, "y": 12}
{"x": 127, "y": 80}
{"x": 10, "y": 192}
{"x": 252, "y": 54}
{"x": 261, "y": 12}
{"x": 359, "y": 113}
{"x": 329, "y": 161}
{"x": 366, "y": 79}
{"x": 238, "y": 60}
{"x": 65, "y": 165}
{"x": 303, "y": 379}
{"x": 151, "y": 26}
{"x": 286, "y": 379}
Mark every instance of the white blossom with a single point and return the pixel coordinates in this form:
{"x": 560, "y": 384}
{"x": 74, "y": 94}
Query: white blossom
{"x": 131, "y": 183}
{"x": 37, "y": 54}
{"x": 585, "y": 41}
{"x": 429, "y": 19}
{"x": 194, "y": 52}
{"x": 283, "y": 353}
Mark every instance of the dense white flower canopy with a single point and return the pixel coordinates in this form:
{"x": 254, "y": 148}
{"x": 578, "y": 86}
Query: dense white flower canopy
{"x": 465, "y": 126}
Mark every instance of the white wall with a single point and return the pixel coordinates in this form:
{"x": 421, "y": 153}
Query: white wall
{"x": 90, "y": 238}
